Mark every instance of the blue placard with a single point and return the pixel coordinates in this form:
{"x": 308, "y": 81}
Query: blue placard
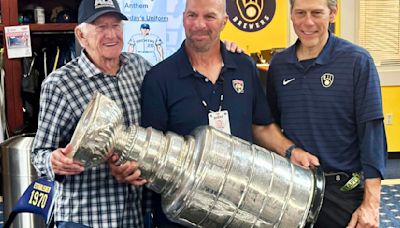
{"x": 155, "y": 28}
{"x": 38, "y": 198}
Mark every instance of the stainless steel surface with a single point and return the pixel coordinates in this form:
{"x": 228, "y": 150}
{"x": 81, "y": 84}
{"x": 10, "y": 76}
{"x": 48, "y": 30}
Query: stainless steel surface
{"x": 18, "y": 173}
{"x": 209, "y": 179}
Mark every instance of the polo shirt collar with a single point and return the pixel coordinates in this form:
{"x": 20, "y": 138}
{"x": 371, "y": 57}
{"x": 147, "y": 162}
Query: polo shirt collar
{"x": 292, "y": 58}
{"x": 183, "y": 63}
{"x": 323, "y": 57}
{"x": 186, "y": 68}
{"x": 227, "y": 58}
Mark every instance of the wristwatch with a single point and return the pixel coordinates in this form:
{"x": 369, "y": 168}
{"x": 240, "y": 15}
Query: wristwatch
{"x": 289, "y": 150}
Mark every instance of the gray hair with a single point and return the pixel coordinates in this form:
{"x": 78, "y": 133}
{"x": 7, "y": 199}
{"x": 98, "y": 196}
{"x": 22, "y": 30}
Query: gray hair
{"x": 83, "y": 27}
{"x": 332, "y": 4}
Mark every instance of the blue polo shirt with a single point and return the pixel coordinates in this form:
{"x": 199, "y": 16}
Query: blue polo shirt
{"x": 172, "y": 94}
{"x": 331, "y": 106}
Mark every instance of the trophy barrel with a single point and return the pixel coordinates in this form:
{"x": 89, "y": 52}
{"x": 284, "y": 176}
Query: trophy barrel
{"x": 209, "y": 179}
{"x": 232, "y": 183}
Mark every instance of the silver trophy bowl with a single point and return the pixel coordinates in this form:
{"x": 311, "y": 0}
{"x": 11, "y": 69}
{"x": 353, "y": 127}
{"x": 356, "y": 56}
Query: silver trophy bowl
{"x": 207, "y": 179}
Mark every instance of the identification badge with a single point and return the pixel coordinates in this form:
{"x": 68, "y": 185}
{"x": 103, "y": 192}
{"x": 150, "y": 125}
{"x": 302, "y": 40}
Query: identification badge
{"x": 220, "y": 120}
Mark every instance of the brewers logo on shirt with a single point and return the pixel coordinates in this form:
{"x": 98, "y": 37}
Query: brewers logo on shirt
{"x": 327, "y": 80}
{"x": 250, "y": 15}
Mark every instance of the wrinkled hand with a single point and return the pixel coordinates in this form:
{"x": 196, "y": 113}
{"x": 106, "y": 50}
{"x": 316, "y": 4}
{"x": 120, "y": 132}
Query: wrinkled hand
{"x": 304, "y": 159}
{"x": 232, "y": 47}
{"x": 63, "y": 165}
{"x": 365, "y": 216}
{"x": 127, "y": 172}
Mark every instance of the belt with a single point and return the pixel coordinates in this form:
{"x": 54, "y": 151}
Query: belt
{"x": 347, "y": 181}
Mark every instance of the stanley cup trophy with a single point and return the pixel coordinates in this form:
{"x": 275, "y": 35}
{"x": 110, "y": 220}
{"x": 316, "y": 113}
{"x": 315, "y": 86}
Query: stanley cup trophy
{"x": 208, "y": 179}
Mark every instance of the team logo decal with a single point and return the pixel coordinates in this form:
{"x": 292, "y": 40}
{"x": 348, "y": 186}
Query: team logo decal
{"x": 238, "y": 85}
{"x": 327, "y": 80}
{"x": 250, "y": 15}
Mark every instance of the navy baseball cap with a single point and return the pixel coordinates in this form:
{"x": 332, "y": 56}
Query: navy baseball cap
{"x": 90, "y": 10}
{"x": 145, "y": 26}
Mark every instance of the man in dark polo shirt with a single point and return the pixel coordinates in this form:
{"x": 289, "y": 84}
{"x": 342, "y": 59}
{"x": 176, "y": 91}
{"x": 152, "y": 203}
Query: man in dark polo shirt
{"x": 203, "y": 84}
{"x": 325, "y": 94}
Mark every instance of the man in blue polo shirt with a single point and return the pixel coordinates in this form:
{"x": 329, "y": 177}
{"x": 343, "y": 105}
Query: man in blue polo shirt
{"x": 203, "y": 84}
{"x": 325, "y": 94}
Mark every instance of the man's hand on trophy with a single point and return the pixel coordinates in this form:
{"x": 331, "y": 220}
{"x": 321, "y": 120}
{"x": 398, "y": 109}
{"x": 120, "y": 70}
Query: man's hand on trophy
{"x": 303, "y": 158}
{"x": 62, "y": 164}
{"x": 127, "y": 172}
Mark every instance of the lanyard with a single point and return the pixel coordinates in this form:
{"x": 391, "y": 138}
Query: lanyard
{"x": 203, "y": 102}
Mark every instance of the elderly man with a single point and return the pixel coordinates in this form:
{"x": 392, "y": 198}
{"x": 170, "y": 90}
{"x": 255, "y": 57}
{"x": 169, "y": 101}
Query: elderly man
{"x": 90, "y": 197}
{"x": 203, "y": 84}
{"x": 325, "y": 93}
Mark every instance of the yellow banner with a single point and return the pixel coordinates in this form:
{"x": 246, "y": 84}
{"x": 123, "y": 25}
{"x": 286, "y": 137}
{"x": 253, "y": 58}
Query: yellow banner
{"x": 257, "y": 25}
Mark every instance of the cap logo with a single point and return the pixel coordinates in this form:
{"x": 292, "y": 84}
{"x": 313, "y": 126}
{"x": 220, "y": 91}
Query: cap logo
{"x": 103, "y": 3}
{"x": 327, "y": 80}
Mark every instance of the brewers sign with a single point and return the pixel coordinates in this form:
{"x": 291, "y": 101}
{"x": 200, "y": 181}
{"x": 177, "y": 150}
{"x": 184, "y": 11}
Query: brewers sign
{"x": 250, "y": 15}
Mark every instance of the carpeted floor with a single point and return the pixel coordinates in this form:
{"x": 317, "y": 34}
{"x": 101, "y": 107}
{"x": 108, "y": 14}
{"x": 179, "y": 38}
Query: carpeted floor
{"x": 392, "y": 169}
{"x": 390, "y": 196}
{"x": 390, "y": 206}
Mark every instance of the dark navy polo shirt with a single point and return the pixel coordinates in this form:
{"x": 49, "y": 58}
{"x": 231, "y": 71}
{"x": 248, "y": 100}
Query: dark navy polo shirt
{"x": 332, "y": 106}
{"x": 172, "y": 94}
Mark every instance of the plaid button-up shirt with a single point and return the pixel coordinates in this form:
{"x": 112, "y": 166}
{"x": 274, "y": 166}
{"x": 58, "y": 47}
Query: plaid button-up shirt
{"x": 94, "y": 197}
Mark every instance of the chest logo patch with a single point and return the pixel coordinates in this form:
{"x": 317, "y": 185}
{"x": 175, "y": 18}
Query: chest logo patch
{"x": 287, "y": 81}
{"x": 327, "y": 80}
{"x": 238, "y": 85}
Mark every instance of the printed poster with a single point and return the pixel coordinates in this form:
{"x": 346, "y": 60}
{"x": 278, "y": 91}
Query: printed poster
{"x": 18, "y": 41}
{"x": 154, "y": 28}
